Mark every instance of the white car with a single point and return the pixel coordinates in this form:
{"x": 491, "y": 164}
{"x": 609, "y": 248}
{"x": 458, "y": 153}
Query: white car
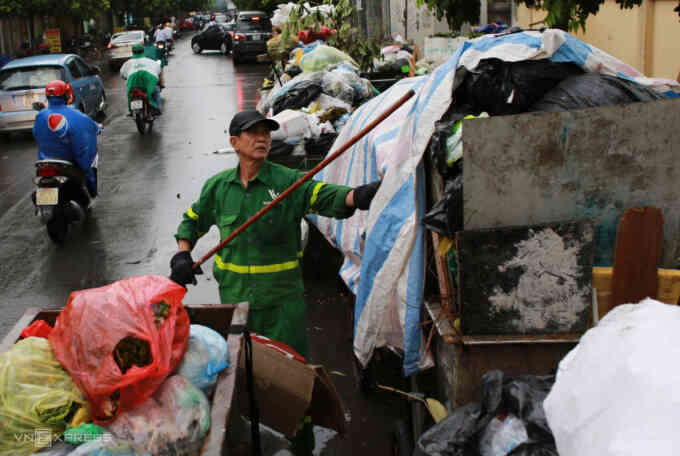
{"x": 120, "y": 46}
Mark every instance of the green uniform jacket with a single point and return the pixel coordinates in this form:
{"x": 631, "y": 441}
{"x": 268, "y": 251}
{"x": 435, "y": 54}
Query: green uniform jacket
{"x": 143, "y": 80}
{"x": 262, "y": 264}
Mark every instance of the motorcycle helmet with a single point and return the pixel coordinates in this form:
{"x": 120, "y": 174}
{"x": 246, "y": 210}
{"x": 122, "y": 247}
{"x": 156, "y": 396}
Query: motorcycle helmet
{"x": 61, "y": 89}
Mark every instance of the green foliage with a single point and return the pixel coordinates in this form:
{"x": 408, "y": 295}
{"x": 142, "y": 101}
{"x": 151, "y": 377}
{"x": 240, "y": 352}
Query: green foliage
{"x": 456, "y": 12}
{"x": 565, "y": 14}
{"x": 78, "y": 8}
{"x": 347, "y": 38}
{"x": 572, "y": 14}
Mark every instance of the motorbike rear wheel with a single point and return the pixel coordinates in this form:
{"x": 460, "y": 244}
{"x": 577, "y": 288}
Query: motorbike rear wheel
{"x": 139, "y": 120}
{"x": 57, "y": 229}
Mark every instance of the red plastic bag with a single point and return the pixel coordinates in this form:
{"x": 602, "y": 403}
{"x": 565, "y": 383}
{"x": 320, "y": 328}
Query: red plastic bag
{"x": 39, "y": 328}
{"x": 93, "y": 323}
{"x": 284, "y": 349}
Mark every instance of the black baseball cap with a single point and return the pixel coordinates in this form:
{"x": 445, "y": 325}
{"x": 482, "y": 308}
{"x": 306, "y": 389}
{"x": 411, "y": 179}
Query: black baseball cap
{"x": 247, "y": 119}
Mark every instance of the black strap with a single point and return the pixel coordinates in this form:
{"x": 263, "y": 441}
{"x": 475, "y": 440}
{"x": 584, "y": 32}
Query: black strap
{"x": 254, "y": 411}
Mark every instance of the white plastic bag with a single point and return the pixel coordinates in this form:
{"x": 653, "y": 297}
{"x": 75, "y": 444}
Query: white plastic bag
{"x": 206, "y": 356}
{"x": 291, "y": 124}
{"x": 617, "y": 391}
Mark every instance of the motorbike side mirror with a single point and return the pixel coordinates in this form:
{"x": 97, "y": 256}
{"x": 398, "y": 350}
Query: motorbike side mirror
{"x": 38, "y": 105}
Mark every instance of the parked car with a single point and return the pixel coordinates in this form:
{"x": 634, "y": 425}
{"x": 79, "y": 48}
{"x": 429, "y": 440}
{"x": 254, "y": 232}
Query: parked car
{"x": 23, "y": 81}
{"x": 252, "y": 31}
{"x": 216, "y": 37}
{"x": 119, "y": 48}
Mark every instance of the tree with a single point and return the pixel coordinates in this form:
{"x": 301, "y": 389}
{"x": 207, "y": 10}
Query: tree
{"x": 76, "y": 8}
{"x": 564, "y": 14}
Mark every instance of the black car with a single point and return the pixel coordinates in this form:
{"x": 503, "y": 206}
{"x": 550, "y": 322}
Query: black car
{"x": 215, "y": 38}
{"x": 252, "y": 31}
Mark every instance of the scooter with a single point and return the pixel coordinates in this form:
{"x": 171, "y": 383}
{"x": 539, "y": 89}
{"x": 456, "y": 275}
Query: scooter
{"x": 141, "y": 111}
{"x": 61, "y": 197}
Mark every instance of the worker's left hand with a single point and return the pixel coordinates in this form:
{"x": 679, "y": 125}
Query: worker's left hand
{"x": 363, "y": 195}
{"x": 183, "y": 272}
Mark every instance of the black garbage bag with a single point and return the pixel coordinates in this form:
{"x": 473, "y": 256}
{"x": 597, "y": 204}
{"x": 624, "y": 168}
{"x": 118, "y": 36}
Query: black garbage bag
{"x": 502, "y": 88}
{"x": 299, "y": 96}
{"x": 455, "y": 434}
{"x": 459, "y": 434}
{"x": 446, "y": 216}
{"x": 280, "y": 148}
{"x": 293, "y": 70}
{"x": 321, "y": 145}
{"x": 591, "y": 90}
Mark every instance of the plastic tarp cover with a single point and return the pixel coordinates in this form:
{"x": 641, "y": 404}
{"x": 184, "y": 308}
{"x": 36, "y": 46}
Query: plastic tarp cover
{"x": 629, "y": 402}
{"x": 467, "y": 428}
{"x": 94, "y": 321}
{"x": 384, "y": 247}
{"x": 36, "y": 394}
{"x": 592, "y": 90}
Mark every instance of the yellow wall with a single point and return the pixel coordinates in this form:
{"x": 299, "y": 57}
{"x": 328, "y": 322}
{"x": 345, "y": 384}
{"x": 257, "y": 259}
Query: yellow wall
{"x": 645, "y": 37}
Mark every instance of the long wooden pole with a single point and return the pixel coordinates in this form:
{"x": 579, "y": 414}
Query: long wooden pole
{"x": 306, "y": 177}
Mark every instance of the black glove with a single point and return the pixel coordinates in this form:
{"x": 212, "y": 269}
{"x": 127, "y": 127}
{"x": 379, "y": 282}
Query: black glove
{"x": 182, "y": 269}
{"x": 363, "y": 195}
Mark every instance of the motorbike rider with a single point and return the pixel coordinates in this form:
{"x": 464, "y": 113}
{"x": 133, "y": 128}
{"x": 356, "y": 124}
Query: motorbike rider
{"x": 65, "y": 133}
{"x": 143, "y": 73}
{"x": 154, "y": 53}
{"x": 158, "y": 34}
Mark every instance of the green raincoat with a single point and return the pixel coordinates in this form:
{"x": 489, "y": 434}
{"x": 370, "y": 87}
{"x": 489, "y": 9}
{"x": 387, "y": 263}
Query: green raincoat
{"x": 262, "y": 264}
{"x": 141, "y": 78}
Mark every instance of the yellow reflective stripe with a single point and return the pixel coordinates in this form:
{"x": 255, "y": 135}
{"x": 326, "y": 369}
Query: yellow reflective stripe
{"x": 315, "y": 193}
{"x": 192, "y": 215}
{"x": 264, "y": 269}
{"x": 199, "y": 234}
{"x": 300, "y": 254}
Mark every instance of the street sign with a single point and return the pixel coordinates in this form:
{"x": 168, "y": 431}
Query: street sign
{"x": 53, "y": 38}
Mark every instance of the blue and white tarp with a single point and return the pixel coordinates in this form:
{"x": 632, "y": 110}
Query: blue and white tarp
{"x": 384, "y": 247}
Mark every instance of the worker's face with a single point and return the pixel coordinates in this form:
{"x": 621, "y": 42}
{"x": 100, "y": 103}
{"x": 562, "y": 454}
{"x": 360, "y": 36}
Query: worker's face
{"x": 253, "y": 143}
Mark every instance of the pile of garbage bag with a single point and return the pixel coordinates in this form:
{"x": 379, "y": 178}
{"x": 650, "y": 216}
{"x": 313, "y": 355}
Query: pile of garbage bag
{"x": 509, "y": 420}
{"x": 122, "y": 356}
{"x": 312, "y": 107}
{"x": 497, "y": 87}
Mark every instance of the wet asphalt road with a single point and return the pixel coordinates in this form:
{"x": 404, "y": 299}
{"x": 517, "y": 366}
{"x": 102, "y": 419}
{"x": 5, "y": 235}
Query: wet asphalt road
{"x": 146, "y": 183}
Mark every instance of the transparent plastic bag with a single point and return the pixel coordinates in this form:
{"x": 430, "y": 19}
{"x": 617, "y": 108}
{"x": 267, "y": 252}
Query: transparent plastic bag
{"x": 175, "y": 420}
{"x": 106, "y": 445}
{"x": 322, "y": 57}
{"x": 502, "y": 435}
{"x": 207, "y": 355}
{"x": 36, "y": 395}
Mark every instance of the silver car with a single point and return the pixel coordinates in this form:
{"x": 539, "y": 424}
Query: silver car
{"x": 119, "y": 48}
{"x": 23, "y": 81}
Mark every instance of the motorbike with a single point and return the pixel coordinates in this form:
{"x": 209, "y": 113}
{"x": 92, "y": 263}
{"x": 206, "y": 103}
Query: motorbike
{"x": 160, "y": 45}
{"x": 61, "y": 197}
{"x": 141, "y": 110}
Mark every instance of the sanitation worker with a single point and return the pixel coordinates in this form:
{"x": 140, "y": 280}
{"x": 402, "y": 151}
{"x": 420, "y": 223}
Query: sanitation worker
{"x": 262, "y": 264}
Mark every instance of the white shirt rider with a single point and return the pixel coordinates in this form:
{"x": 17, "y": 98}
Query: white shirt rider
{"x": 143, "y": 63}
{"x": 159, "y": 35}
{"x": 167, "y": 32}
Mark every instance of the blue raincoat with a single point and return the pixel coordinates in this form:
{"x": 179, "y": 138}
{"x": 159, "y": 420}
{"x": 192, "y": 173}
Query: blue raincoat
{"x": 65, "y": 133}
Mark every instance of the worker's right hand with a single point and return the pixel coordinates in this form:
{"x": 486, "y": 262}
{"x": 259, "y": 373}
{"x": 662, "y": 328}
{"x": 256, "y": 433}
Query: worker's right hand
{"x": 183, "y": 272}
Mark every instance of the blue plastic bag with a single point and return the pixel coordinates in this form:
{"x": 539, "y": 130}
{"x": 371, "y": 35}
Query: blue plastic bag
{"x": 206, "y": 356}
